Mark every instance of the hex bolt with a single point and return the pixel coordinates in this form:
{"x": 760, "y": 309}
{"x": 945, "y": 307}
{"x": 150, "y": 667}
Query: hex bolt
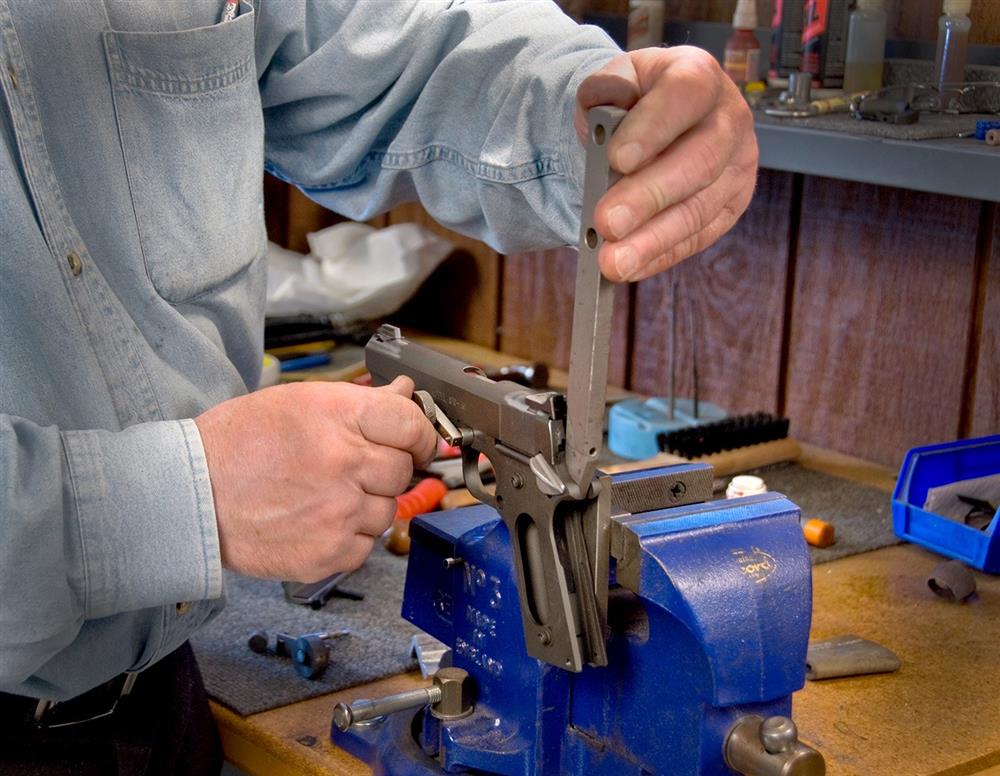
{"x": 517, "y": 481}
{"x": 456, "y": 694}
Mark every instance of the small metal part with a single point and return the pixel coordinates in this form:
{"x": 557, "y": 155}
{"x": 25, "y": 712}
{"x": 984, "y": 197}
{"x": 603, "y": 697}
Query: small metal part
{"x": 257, "y": 642}
{"x": 799, "y": 89}
{"x": 316, "y": 594}
{"x": 284, "y": 645}
{"x": 848, "y": 655}
{"x": 345, "y": 715}
{"x": 778, "y": 734}
{"x": 311, "y": 652}
{"x": 746, "y": 749}
{"x": 450, "y": 563}
{"x": 456, "y": 694}
{"x": 952, "y": 580}
{"x": 431, "y": 654}
{"x": 549, "y": 481}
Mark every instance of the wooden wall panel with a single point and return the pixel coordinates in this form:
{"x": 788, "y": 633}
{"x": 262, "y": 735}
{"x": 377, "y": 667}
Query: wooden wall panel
{"x": 737, "y": 288}
{"x": 461, "y": 298}
{"x": 537, "y": 315}
{"x": 986, "y": 404}
{"x": 881, "y": 317}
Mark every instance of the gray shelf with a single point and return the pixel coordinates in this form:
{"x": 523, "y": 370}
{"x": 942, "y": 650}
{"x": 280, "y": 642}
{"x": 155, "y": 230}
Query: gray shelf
{"x": 959, "y": 167}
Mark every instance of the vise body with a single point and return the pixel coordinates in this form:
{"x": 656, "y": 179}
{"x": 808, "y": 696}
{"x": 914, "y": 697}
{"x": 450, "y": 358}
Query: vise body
{"x": 601, "y": 625}
{"x": 707, "y": 628}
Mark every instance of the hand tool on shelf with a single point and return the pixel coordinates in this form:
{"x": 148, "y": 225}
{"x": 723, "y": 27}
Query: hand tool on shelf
{"x": 605, "y": 624}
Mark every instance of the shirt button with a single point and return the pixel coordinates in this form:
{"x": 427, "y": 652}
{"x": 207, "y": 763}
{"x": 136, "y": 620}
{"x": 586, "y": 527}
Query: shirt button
{"x": 75, "y": 263}
{"x": 183, "y": 607}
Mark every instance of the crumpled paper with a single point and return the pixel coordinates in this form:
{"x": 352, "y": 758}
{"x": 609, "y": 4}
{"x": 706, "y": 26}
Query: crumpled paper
{"x": 353, "y": 271}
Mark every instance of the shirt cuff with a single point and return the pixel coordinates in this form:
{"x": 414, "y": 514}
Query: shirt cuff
{"x": 145, "y": 515}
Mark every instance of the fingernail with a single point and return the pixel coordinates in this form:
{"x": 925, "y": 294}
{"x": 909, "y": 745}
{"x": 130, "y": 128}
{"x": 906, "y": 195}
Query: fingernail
{"x": 620, "y": 220}
{"x": 629, "y": 157}
{"x": 626, "y": 261}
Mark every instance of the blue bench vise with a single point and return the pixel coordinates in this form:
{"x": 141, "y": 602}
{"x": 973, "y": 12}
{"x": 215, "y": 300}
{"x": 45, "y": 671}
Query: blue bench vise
{"x": 708, "y": 622}
{"x": 600, "y": 625}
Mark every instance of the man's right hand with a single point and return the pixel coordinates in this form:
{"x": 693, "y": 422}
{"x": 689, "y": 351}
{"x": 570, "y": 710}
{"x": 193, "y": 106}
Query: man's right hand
{"x": 305, "y": 476}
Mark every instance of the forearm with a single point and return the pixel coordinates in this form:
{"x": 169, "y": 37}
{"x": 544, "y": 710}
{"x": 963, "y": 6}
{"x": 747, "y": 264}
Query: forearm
{"x": 468, "y": 108}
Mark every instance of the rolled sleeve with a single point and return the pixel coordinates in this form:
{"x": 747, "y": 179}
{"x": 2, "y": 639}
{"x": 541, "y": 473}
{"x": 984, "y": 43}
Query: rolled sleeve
{"x": 466, "y": 107}
{"x": 146, "y": 519}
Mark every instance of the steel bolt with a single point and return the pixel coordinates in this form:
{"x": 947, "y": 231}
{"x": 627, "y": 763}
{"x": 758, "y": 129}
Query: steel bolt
{"x": 517, "y": 481}
{"x": 456, "y": 694}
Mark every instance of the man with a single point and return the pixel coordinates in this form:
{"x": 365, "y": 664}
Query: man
{"x": 132, "y": 137}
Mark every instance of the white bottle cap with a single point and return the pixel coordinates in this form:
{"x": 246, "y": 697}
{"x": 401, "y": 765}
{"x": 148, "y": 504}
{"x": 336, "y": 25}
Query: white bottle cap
{"x": 745, "y": 485}
{"x": 745, "y": 17}
{"x": 957, "y": 7}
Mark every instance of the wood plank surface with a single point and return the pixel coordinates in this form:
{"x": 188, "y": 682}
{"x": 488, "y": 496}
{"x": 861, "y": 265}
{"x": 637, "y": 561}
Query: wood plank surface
{"x": 880, "y": 318}
{"x": 986, "y": 405}
{"x": 461, "y": 298}
{"x": 937, "y": 715}
{"x": 537, "y": 315}
{"x": 737, "y": 289}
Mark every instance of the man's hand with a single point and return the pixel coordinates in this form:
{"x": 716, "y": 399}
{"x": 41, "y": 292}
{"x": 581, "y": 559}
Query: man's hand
{"x": 687, "y": 151}
{"x": 304, "y": 476}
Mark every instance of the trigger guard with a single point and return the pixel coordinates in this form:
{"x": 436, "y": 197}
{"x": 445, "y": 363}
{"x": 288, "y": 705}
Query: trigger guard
{"x": 473, "y": 477}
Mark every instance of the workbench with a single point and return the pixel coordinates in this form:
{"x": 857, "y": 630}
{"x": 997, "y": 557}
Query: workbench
{"x": 938, "y": 715}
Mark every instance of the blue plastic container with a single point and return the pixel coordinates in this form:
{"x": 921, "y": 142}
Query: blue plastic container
{"x": 928, "y": 467}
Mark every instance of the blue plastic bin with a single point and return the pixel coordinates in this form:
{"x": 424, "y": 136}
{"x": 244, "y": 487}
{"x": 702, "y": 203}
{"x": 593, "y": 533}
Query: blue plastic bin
{"x": 928, "y": 467}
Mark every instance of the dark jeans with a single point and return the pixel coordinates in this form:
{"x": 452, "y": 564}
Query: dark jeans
{"x": 164, "y": 727}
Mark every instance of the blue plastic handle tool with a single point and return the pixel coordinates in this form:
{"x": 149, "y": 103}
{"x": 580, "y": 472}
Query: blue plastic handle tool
{"x": 305, "y": 362}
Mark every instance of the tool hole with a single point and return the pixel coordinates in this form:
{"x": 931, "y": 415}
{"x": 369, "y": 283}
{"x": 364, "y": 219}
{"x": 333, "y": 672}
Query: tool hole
{"x": 599, "y": 134}
{"x": 591, "y": 237}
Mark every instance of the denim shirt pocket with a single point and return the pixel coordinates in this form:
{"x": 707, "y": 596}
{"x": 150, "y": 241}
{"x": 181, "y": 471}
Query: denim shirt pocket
{"x": 192, "y": 135}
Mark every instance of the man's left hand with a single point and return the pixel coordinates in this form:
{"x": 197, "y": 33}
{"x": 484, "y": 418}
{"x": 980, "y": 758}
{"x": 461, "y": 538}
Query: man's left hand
{"x": 687, "y": 152}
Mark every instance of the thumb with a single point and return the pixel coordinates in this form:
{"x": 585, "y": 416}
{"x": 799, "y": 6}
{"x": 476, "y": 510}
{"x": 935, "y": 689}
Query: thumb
{"x": 401, "y": 386}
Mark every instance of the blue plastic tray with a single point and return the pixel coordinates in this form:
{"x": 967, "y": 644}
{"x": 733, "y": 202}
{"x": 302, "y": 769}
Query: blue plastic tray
{"x": 928, "y": 467}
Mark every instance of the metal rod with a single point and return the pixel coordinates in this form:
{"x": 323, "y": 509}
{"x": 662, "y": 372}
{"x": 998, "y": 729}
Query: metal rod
{"x": 592, "y": 308}
{"x": 345, "y": 715}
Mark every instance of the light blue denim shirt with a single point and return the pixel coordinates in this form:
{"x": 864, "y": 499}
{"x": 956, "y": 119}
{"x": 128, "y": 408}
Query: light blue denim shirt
{"x": 133, "y": 134}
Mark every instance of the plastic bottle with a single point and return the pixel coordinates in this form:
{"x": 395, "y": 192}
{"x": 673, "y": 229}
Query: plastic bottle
{"x": 953, "y": 42}
{"x": 645, "y": 24}
{"x": 865, "y": 47}
{"x": 742, "y": 57}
